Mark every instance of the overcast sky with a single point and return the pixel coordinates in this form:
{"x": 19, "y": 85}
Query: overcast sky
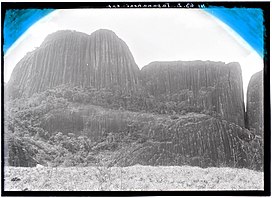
{"x": 151, "y": 34}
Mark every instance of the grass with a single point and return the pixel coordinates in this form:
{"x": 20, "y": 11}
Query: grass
{"x": 136, "y": 178}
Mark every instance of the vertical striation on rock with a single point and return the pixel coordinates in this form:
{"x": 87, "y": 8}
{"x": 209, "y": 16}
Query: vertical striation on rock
{"x": 110, "y": 62}
{"x": 194, "y": 139}
{"x": 100, "y": 60}
{"x": 255, "y": 109}
{"x": 210, "y": 132}
{"x": 205, "y": 85}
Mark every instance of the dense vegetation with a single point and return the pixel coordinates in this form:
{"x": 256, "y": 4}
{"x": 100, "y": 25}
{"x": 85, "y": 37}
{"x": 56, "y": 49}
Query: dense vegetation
{"x": 27, "y": 137}
{"x": 113, "y": 97}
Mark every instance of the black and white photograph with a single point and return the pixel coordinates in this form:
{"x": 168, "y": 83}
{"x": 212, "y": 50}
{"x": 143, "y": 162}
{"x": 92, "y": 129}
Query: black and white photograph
{"x": 127, "y": 96}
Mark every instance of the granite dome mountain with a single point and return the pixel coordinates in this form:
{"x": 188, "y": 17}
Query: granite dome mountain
{"x": 68, "y": 57}
{"x": 86, "y": 95}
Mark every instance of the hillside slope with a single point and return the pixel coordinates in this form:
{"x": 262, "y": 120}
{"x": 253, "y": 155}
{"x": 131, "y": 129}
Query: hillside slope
{"x": 124, "y": 138}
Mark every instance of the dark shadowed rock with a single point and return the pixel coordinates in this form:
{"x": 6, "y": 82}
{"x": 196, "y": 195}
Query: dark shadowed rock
{"x": 99, "y": 60}
{"x": 209, "y": 87}
{"x": 20, "y": 153}
{"x": 255, "y": 111}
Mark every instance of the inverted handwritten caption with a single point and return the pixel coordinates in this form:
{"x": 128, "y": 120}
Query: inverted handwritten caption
{"x": 159, "y": 5}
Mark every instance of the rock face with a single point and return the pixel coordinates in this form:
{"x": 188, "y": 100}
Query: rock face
{"x": 211, "y": 132}
{"x": 203, "y": 85}
{"x": 148, "y": 139}
{"x": 195, "y": 139}
{"x": 100, "y": 60}
{"x": 255, "y": 109}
